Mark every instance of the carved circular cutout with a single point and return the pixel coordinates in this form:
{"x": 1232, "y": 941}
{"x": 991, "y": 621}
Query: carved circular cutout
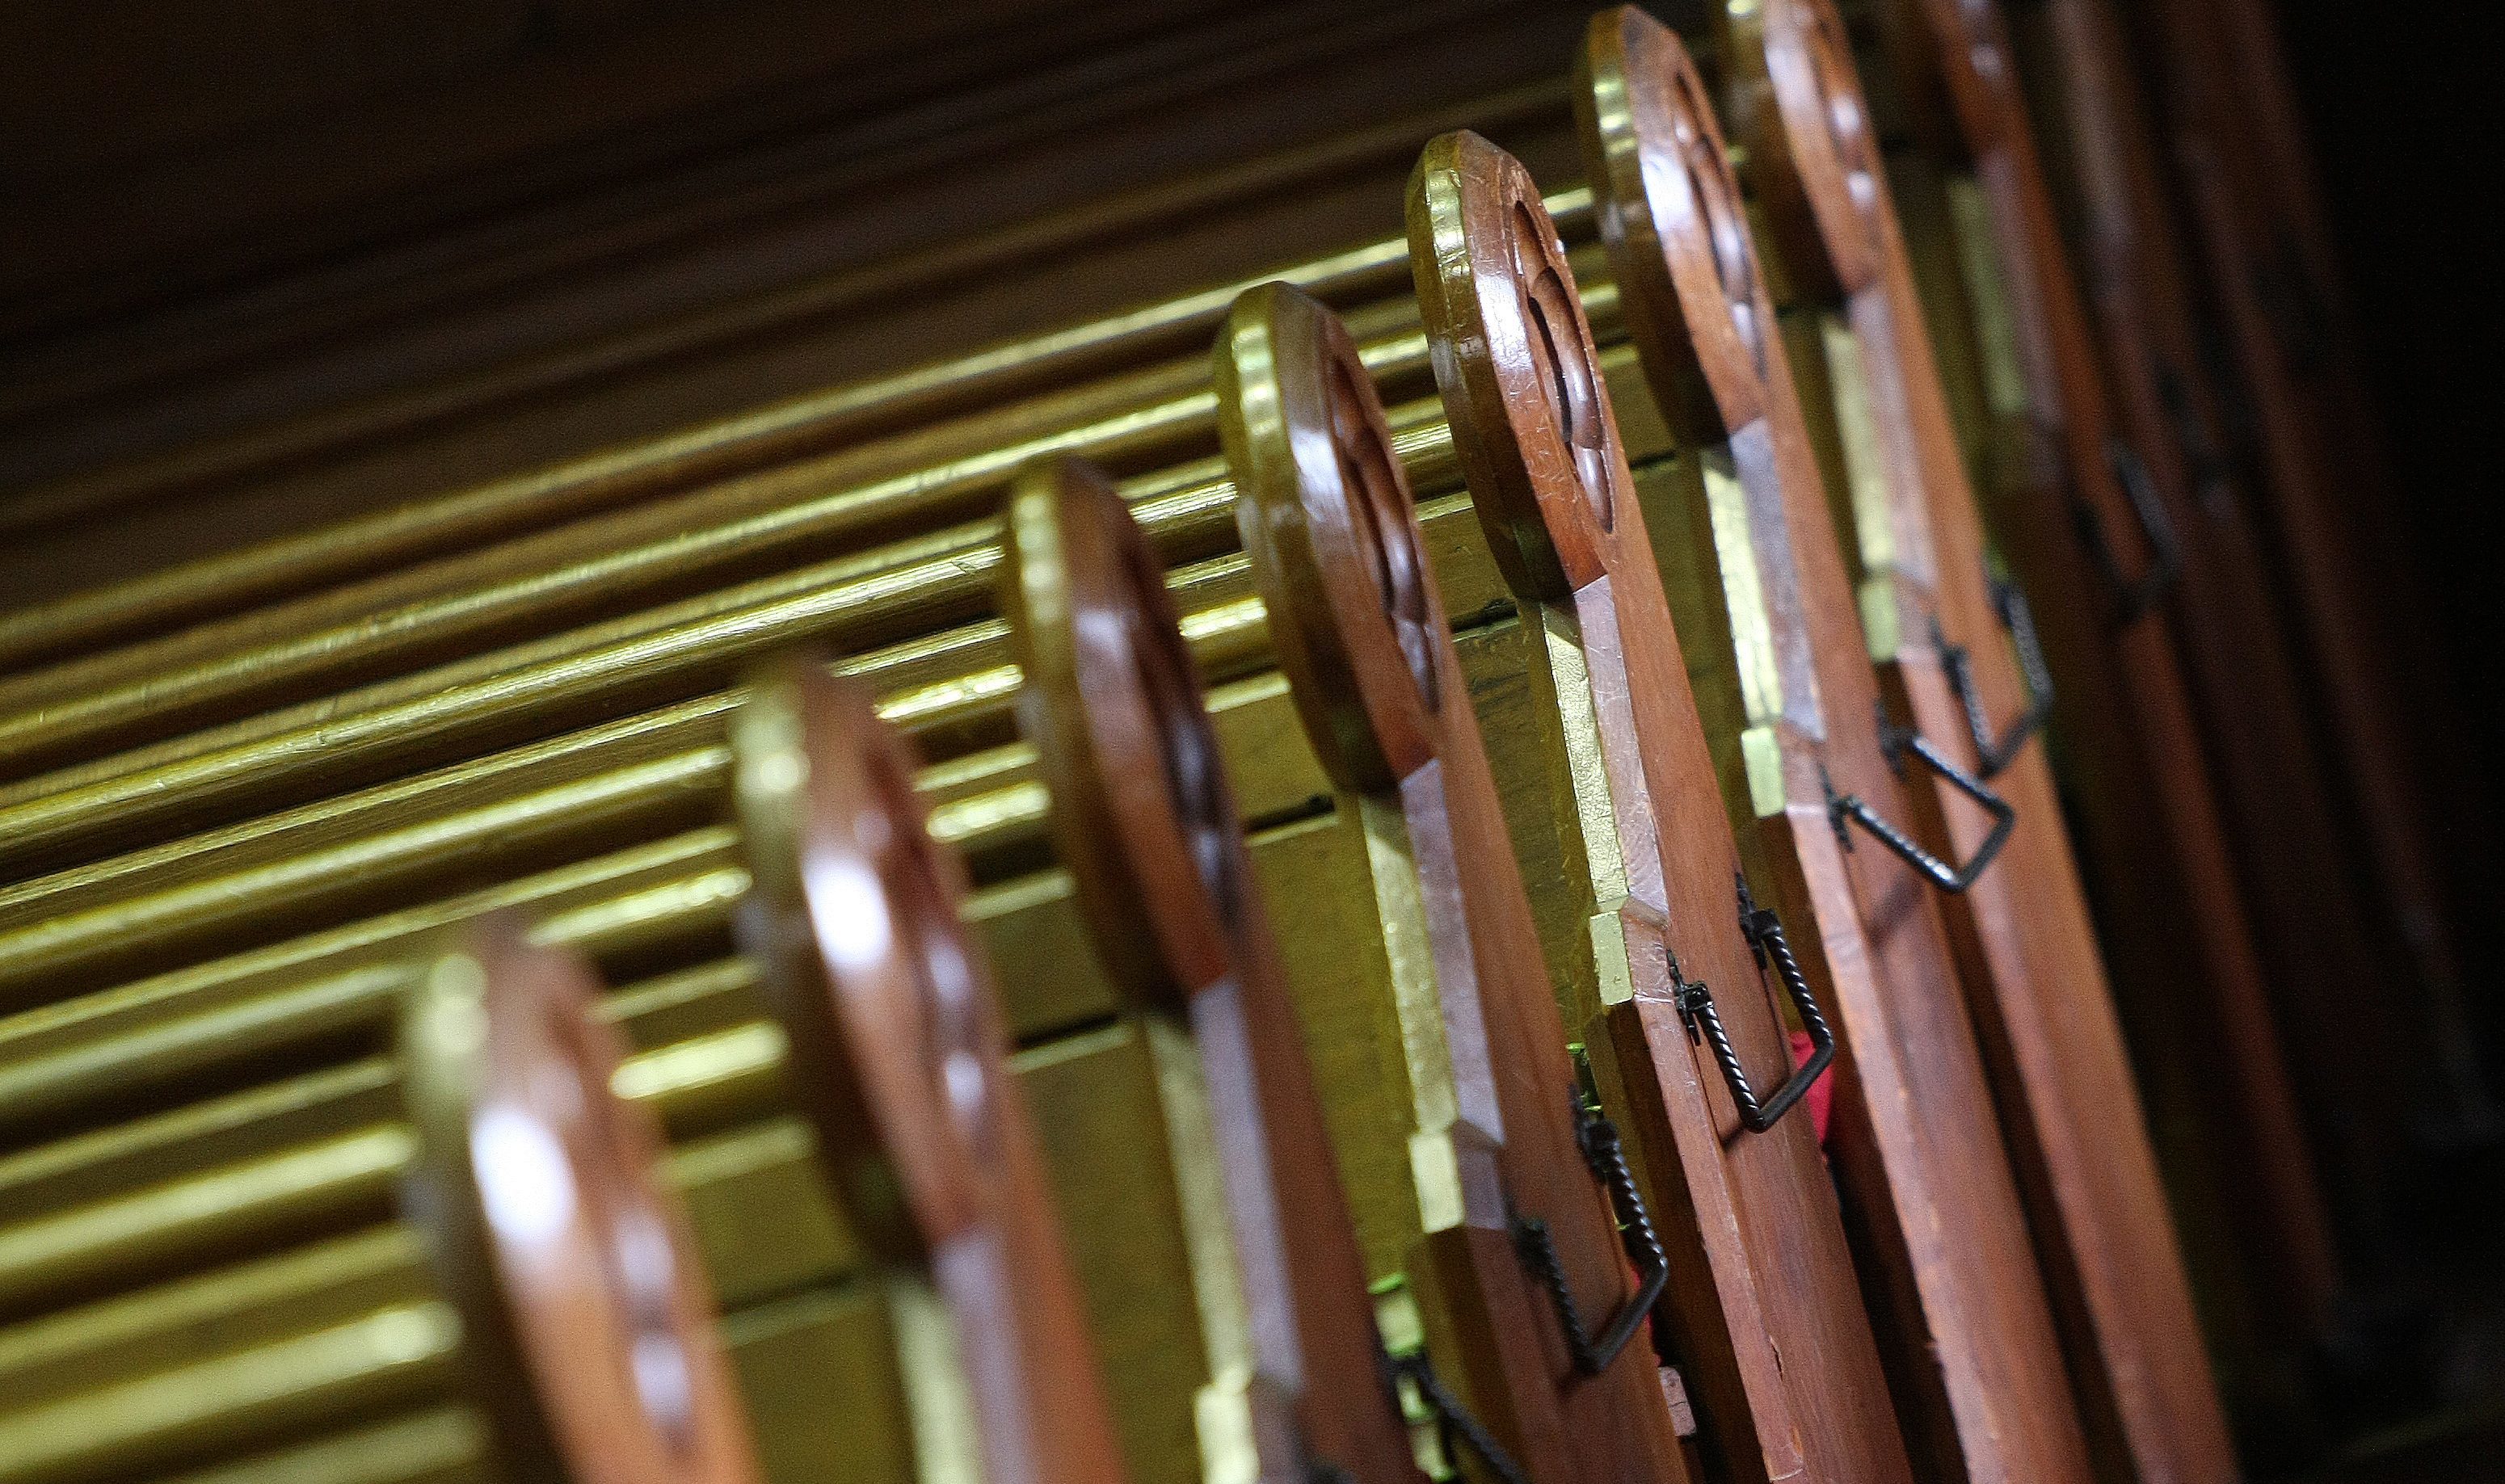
{"x": 854, "y": 920}
{"x": 1140, "y": 805}
{"x": 1715, "y": 195}
{"x": 1328, "y": 519}
{"x": 1515, "y": 360}
{"x": 1384, "y": 522}
{"x": 1688, "y": 277}
{"x": 1974, "y": 57}
{"x": 1828, "y": 141}
{"x": 1566, "y": 371}
{"x": 587, "y": 1323}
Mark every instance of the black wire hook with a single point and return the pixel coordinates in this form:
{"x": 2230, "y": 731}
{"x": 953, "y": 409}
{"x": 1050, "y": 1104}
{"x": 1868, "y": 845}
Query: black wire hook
{"x": 1994, "y": 754}
{"x": 1850, "y": 808}
{"x": 1453, "y": 1421}
{"x": 1606, "y": 1154}
{"x": 2204, "y": 463}
{"x": 1694, "y": 1000}
{"x": 2166, "y": 550}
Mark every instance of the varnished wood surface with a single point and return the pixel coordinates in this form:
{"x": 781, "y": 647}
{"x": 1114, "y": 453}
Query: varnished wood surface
{"x": 586, "y": 1329}
{"x": 697, "y": 298}
{"x": 1549, "y": 482}
{"x": 2156, "y": 840}
{"x": 1980, "y": 1369}
{"x": 2026, "y": 943}
{"x": 900, "y": 1059}
{"x": 700, "y": 724}
{"x": 1146, "y": 822}
{"x": 697, "y": 767}
{"x": 631, "y": 919}
{"x": 2229, "y": 125}
{"x": 2312, "y": 889}
{"x": 271, "y": 664}
{"x": 1354, "y": 609}
{"x": 492, "y": 486}
{"x": 762, "y": 1226}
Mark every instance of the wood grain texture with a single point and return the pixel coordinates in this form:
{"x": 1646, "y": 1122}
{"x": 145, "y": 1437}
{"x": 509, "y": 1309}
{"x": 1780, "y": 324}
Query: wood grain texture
{"x": 2276, "y": 781}
{"x": 574, "y": 326}
{"x": 1144, "y": 820}
{"x": 1548, "y": 478}
{"x": 1358, "y": 623}
{"x": 2027, "y": 945}
{"x": 898, "y": 1057}
{"x": 1976, "y": 1348}
{"x": 2226, "y": 124}
{"x": 587, "y": 1327}
{"x": 2154, "y": 839}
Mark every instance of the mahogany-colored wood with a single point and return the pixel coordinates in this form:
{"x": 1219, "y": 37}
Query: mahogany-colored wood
{"x": 1358, "y": 626}
{"x": 1534, "y": 431}
{"x": 1143, "y": 820}
{"x": 2176, "y": 923}
{"x": 1980, "y": 1366}
{"x": 587, "y": 1330}
{"x": 2028, "y": 948}
{"x": 899, "y": 1058}
{"x": 2309, "y": 887}
{"x": 2268, "y": 274}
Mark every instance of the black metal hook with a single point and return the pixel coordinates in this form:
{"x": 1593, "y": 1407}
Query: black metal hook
{"x": 2165, "y": 551}
{"x": 1453, "y": 1422}
{"x": 1694, "y": 1000}
{"x": 1994, "y": 754}
{"x": 2204, "y": 462}
{"x": 1898, "y": 741}
{"x": 1606, "y": 1154}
